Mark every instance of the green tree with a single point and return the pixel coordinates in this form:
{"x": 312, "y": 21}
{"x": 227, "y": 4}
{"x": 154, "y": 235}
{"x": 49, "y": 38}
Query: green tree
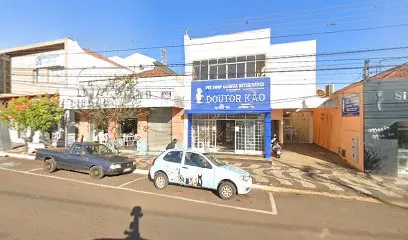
{"x": 14, "y": 115}
{"x": 43, "y": 113}
{"x": 38, "y": 114}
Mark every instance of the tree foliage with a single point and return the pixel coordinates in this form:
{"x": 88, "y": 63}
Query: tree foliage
{"x": 43, "y": 113}
{"x": 111, "y": 101}
{"x": 38, "y": 114}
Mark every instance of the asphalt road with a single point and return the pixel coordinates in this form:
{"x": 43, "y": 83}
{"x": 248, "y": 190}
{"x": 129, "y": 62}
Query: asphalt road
{"x": 68, "y": 205}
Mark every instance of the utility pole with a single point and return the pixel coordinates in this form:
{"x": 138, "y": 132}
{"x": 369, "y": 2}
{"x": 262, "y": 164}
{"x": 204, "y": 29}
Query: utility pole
{"x": 366, "y": 69}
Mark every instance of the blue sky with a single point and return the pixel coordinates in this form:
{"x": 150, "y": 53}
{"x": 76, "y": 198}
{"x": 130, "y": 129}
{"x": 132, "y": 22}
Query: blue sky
{"x": 106, "y": 25}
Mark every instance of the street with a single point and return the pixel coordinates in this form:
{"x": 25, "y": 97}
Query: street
{"x": 69, "y": 205}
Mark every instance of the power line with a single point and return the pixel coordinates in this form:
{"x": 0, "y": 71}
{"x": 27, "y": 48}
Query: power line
{"x": 280, "y": 71}
{"x": 309, "y": 12}
{"x": 239, "y": 40}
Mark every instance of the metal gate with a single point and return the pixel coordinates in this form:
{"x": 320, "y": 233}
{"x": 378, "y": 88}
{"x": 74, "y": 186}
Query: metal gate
{"x": 159, "y": 128}
{"x": 204, "y": 135}
{"x": 249, "y": 136}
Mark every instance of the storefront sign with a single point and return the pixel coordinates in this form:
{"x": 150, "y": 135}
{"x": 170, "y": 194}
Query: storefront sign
{"x": 241, "y": 95}
{"x": 52, "y": 60}
{"x": 351, "y": 105}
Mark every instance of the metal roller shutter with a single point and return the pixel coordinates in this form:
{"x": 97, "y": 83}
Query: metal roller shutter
{"x": 159, "y": 125}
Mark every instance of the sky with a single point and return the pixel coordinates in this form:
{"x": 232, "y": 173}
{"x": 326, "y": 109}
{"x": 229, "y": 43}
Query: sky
{"x": 129, "y": 24}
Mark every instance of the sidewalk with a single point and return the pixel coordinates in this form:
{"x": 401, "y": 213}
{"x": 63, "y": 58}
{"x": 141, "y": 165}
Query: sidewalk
{"x": 316, "y": 171}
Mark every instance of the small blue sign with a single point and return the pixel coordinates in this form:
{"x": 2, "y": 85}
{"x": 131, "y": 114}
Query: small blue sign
{"x": 351, "y": 105}
{"x": 235, "y": 95}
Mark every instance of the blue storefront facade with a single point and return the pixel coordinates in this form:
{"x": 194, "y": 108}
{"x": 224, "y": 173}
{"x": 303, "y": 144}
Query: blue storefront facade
{"x": 232, "y": 116}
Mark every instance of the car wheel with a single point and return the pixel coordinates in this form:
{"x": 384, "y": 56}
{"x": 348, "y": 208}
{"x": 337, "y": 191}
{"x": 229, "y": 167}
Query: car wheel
{"x": 161, "y": 181}
{"x": 227, "y": 190}
{"x": 96, "y": 172}
{"x": 49, "y": 165}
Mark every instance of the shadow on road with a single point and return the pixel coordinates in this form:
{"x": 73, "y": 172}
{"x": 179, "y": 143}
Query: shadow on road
{"x": 133, "y": 232}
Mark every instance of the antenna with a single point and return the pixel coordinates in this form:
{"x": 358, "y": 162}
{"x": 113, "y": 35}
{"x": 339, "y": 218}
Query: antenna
{"x": 163, "y": 56}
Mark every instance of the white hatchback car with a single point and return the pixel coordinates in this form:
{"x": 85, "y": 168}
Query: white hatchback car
{"x": 192, "y": 168}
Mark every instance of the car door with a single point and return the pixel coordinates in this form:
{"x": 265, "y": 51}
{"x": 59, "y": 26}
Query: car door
{"x": 171, "y": 165}
{"x": 197, "y": 171}
{"x": 76, "y": 159}
{"x": 71, "y": 162}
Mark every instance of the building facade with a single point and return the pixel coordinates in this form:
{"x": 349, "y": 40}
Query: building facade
{"x": 244, "y": 89}
{"x": 339, "y": 124}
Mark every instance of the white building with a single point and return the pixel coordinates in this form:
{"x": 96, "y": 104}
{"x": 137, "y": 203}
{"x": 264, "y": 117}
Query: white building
{"x": 58, "y": 66}
{"x": 244, "y": 89}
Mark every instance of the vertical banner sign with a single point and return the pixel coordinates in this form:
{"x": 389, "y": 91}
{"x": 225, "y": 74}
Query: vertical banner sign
{"x": 241, "y": 95}
{"x": 351, "y": 105}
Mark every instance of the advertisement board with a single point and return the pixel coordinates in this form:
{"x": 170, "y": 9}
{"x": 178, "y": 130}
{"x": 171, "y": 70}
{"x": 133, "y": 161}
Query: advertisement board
{"x": 235, "y": 95}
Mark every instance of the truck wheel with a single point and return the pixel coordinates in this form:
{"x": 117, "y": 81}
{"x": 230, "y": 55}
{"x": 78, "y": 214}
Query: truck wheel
{"x": 161, "y": 181}
{"x": 96, "y": 172}
{"x": 227, "y": 190}
{"x": 49, "y": 165}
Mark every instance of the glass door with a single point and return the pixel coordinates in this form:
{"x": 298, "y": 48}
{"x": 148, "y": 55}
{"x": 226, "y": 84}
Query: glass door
{"x": 240, "y": 136}
{"x": 204, "y": 135}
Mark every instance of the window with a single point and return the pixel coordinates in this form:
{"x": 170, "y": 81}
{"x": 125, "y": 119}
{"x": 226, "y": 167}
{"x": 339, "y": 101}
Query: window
{"x": 196, "y": 160}
{"x": 76, "y": 150}
{"x": 204, "y": 70}
{"x": 173, "y": 156}
{"x": 222, "y": 71}
{"x": 56, "y": 75}
{"x": 240, "y": 70}
{"x": 213, "y": 72}
{"x": 41, "y": 75}
{"x": 232, "y": 67}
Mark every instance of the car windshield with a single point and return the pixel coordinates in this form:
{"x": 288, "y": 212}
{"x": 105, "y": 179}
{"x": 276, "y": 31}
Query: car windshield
{"x": 98, "y": 149}
{"x": 213, "y": 159}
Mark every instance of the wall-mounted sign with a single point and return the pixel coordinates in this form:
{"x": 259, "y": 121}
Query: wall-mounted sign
{"x": 239, "y": 95}
{"x": 351, "y": 105}
{"x": 49, "y": 60}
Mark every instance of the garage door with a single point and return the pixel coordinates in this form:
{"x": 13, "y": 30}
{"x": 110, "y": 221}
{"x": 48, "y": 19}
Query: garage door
{"x": 159, "y": 133}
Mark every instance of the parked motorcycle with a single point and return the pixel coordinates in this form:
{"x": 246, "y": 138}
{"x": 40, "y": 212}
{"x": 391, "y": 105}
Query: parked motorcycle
{"x": 276, "y": 148}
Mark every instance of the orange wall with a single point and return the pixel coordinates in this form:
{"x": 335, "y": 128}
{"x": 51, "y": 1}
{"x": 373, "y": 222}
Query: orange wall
{"x": 177, "y": 125}
{"x": 142, "y": 124}
{"x": 332, "y": 131}
{"x": 83, "y": 127}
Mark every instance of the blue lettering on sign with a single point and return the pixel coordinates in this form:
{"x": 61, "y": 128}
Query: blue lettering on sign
{"x": 250, "y": 94}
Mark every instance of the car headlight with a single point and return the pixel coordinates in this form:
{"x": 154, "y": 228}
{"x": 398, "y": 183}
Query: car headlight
{"x": 245, "y": 178}
{"x": 114, "y": 166}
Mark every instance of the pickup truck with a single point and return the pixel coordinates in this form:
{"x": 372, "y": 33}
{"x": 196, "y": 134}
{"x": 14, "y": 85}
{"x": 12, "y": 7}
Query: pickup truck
{"x": 95, "y": 159}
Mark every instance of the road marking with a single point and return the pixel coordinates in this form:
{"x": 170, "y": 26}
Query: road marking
{"x": 35, "y": 169}
{"x": 273, "y": 204}
{"x": 9, "y": 164}
{"x": 137, "y": 179}
{"x": 142, "y": 192}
